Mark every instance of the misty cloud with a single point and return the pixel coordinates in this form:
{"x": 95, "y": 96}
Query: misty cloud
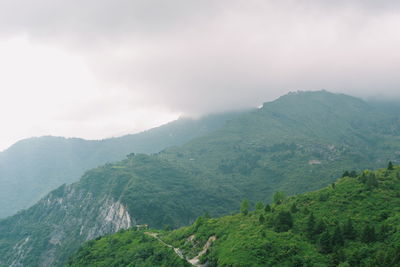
{"x": 194, "y": 57}
{"x": 200, "y": 56}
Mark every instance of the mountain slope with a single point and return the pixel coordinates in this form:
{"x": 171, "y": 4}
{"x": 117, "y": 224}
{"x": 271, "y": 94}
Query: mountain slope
{"x": 33, "y": 167}
{"x": 298, "y": 143}
{"x": 354, "y": 222}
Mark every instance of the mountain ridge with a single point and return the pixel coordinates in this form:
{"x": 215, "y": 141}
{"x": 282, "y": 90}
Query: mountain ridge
{"x": 32, "y": 167}
{"x": 251, "y": 156}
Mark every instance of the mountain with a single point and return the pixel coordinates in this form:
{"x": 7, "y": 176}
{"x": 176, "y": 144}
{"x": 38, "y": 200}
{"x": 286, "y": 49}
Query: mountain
{"x": 33, "y": 167}
{"x": 298, "y": 143}
{"x": 388, "y": 106}
{"x": 353, "y": 222}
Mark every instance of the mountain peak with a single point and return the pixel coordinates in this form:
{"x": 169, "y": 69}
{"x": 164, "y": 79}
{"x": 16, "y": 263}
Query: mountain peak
{"x": 321, "y": 96}
{"x": 317, "y": 104}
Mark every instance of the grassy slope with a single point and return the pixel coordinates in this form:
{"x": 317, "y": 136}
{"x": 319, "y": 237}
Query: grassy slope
{"x": 243, "y": 241}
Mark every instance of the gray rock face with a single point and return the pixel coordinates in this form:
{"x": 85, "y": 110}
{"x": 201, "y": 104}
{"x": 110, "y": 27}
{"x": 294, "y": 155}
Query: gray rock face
{"x": 113, "y": 217}
{"x": 73, "y": 216}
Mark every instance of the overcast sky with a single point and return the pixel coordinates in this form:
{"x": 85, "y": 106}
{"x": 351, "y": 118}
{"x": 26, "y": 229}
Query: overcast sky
{"x": 101, "y": 68}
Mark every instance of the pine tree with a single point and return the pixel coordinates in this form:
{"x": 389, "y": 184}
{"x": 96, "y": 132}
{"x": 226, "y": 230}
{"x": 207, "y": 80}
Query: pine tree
{"x": 368, "y": 234}
{"x": 279, "y": 197}
{"x": 338, "y": 257}
{"x": 306, "y": 210}
{"x": 311, "y": 226}
{"x": 371, "y": 181}
{"x": 337, "y": 238}
{"x": 244, "y": 207}
{"x": 348, "y": 230}
{"x": 325, "y": 242}
{"x": 390, "y": 166}
{"x": 319, "y": 228}
{"x": 267, "y": 208}
{"x": 293, "y": 208}
{"x": 199, "y": 222}
{"x": 353, "y": 174}
{"x": 284, "y": 221}
{"x": 263, "y": 233}
{"x": 261, "y": 219}
{"x": 259, "y": 206}
{"x": 206, "y": 215}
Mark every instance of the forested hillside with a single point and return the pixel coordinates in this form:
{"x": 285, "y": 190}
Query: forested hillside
{"x": 355, "y": 221}
{"x": 298, "y": 143}
{"x": 33, "y": 167}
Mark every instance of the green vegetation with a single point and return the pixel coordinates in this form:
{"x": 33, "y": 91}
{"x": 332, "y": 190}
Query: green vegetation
{"x": 390, "y": 166}
{"x": 33, "y": 167}
{"x": 279, "y": 197}
{"x": 298, "y": 143}
{"x": 355, "y": 225}
{"x": 244, "y": 207}
{"x": 126, "y": 248}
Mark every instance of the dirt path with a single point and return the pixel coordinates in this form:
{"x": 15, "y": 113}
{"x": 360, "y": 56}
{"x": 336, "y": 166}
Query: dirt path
{"x": 177, "y": 250}
{"x": 196, "y": 260}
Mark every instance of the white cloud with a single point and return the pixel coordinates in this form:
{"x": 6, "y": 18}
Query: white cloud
{"x": 45, "y": 90}
{"x": 100, "y": 62}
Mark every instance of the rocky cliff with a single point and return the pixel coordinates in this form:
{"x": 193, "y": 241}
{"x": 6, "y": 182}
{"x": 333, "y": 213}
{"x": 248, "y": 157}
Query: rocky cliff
{"x": 67, "y": 216}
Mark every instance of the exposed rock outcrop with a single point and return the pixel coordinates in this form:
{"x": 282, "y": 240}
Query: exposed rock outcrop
{"x": 73, "y": 216}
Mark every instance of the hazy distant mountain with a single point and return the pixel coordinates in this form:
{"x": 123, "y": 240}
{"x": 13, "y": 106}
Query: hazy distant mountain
{"x": 298, "y": 143}
{"x": 32, "y": 167}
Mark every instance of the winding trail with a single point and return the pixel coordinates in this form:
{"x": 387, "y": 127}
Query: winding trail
{"x": 196, "y": 260}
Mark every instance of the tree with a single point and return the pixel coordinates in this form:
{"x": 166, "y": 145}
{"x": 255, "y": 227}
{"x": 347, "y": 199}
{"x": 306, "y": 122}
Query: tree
{"x": 371, "y": 181}
{"x": 199, "y": 222}
{"x": 284, "y": 221}
{"x": 279, "y": 197}
{"x": 338, "y": 256}
{"x": 348, "y": 230}
{"x": 384, "y": 232}
{"x": 267, "y": 208}
{"x": 390, "y": 166}
{"x": 263, "y": 233}
{"x": 319, "y": 228}
{"x": 244, "y": 207}
{"x": 293, "y": 208}
{"x": 337, "y": 238}
{"x": 310, "y": 225}
{"x": 325, "y": 242}
{"x": 306, "y": 210}
{"x": 353, "y": 174}
{"x": 368, "y": 234}
{"x": 261, "y": 219}
{"x": 206, "y": 215}
{"x": 259, "y": 206}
